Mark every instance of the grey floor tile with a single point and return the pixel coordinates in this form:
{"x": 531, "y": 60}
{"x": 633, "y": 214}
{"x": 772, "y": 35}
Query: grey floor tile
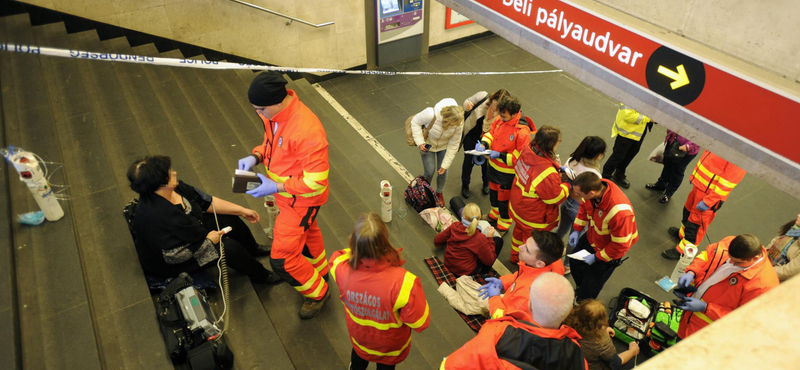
{"x": 124, "y": 348}
{"x": 372, "y": 101}
{"x": 468, "y": 51}
{"x": 494, "y": 44}
{"x": 443, "y": 60}
{"x": 354, "y": 85}
{"x": 433, "y": 85}
{"x": 382, "y": 81}
{"x": 404, "y": 91}
{"x": 385, "y": 120}
{"x": 68, "y": 342}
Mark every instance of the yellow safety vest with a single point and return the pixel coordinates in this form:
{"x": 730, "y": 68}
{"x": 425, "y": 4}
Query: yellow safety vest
{"x": 629, "y": 123}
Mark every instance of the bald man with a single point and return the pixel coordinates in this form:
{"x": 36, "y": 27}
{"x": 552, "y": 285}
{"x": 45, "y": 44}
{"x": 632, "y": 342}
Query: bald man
{"x": 510, "y": 342}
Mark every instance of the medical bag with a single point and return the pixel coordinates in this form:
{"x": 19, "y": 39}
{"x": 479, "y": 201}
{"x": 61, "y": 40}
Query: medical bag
{"x": 630, "y": 314}
{"x": 663, "y": 332}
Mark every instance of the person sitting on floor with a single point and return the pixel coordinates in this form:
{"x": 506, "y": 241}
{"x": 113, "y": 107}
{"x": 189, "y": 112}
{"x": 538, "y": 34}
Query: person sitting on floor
{"x": 176, "y": 228}
{"x": 523, "y": 340}
{"x": 590, "y": 320}
{"x": 541, "y": 253}
{"x": 468, "y": 251}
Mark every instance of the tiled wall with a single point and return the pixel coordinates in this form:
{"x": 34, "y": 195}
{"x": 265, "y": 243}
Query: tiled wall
{"x": 438, "y": 34}
{"x": 236, "y": 29}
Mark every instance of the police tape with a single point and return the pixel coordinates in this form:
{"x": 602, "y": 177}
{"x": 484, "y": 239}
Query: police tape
{"x": 207, "y": 64}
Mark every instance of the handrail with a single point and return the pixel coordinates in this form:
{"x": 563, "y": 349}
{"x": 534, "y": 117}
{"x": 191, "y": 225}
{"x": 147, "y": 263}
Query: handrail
{"x": 290, "y": 18}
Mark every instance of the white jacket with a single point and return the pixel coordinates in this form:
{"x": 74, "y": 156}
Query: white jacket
{"x": 478, "y": 112}
{"x": 465, "y": 298}
{"x": 447, "y": 140}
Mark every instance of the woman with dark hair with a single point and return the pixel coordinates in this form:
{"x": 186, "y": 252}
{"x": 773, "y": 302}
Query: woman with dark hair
{"x": 590, "y": 320}
{"x": 537, "y": 191}
{"x": 784, "y": 250}
{"x": 586, "y": 157}
{"x": 176, "y": 226}
{"x": 481, "y": 110}
{"x": 382, "y": 300}
{"x": 674, "y": 166}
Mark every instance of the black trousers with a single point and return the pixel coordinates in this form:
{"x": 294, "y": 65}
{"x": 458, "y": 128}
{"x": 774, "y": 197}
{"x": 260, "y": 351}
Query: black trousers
{"x": 483, "y": 269}
{"x": 470, "y": 139}
{"x": 621, "y": 156}
{"x": 590, "y": 278}
{"x": 358, "y": 363}
{"x": 240, "y": 245}
{"x": 672, "y": 174}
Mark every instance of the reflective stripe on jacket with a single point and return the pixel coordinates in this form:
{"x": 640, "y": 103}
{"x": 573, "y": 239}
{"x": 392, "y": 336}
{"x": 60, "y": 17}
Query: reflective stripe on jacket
{"x": 296, "y": 154}
{"x": 629, "y": 123}
{"x": 716, "y": 177}
{"x": 730, "y": 293}
{"x": 516, "y": 340}
{"x": 382, "y": 303}
{"x": 612, "y": 224}
{"x": 508, "y": 138}
{"x": 517, "y": 289}
{"x": 538, "y": 191}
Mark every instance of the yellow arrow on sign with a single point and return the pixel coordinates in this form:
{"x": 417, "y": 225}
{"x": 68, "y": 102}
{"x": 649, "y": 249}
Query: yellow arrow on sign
{"x": 680, "y": 77}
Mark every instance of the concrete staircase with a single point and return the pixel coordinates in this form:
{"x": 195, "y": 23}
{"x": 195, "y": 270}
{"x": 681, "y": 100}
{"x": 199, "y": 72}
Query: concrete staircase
{"x": 74, "y": 295}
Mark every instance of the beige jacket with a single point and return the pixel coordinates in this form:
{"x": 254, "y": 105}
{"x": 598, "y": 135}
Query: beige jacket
{"x": 465, "y": 297}
{"x": 479, "y": 111}
{"x": 792, "y": 267}
{"x": 439, "y": 139}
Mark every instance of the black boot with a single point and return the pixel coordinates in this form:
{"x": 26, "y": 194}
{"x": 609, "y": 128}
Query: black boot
{"x": 465, "y": 191}
{"x": 485, "y": 189}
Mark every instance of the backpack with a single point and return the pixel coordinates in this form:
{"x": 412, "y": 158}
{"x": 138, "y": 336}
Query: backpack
{"x": 419, "y": 194}
{"x": 425, "y": 129}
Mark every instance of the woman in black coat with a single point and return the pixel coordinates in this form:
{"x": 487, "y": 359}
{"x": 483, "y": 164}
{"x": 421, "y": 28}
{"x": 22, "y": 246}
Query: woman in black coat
{"x": 176, "y": 230}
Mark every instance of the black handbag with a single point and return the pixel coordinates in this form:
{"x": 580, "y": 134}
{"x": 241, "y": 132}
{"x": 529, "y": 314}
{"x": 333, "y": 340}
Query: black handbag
{"x": 672, "y": 152}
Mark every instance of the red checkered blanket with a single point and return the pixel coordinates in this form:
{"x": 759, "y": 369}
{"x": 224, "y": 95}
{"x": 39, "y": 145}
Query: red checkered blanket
{"x": 443, "y": 275}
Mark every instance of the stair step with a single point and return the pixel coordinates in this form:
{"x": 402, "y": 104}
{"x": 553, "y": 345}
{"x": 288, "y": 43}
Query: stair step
{"x": 56, "y": 329}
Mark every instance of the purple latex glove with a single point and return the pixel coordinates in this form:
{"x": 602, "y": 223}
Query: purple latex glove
{"x": 494, "y": 154}
{"x": 693, "y": 304}
{"x": 246, "y": 163}
{"x": 702, "y": 207}
{"x": 590, "y": 259}
{"x": 479, "y": 147}
{"x": 267, "y": 187}
{"x": 492, "y": 288}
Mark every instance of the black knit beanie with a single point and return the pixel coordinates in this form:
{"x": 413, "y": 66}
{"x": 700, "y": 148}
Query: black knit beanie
{"x": 268, "y": 88}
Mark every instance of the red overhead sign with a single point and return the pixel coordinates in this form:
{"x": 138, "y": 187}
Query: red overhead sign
{"x": 740, "y": 106}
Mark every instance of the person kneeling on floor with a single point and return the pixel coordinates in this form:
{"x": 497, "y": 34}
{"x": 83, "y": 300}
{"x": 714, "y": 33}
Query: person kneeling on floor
{"x": 540, "y": 254}
{"x": 176, "y": 229}
{"x": 382, "y": 301}
{"x": 516, "y": 341}
{"x": 468, "y": 251}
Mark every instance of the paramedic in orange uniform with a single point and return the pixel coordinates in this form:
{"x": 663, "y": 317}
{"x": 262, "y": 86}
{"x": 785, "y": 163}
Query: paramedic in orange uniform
{"x": 382, "y": 301}
{"x": 295, "y": 154}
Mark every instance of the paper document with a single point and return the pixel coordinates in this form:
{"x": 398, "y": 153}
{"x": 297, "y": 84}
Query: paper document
{"x": 475, "y": 152}
{"x": 580, "y": 255}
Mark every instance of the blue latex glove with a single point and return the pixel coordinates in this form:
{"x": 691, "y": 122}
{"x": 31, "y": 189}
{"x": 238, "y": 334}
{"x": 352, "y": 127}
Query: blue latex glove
{"x": 693, "y": 304}
{"x": 590, "y": 259}
{"x": 246, "y": 163}
{"x": 573, "y": 238}
{"x": 702, "y": 207}
{"x": 563, "y": 168}
{"x": 685, "y": 280}
{"x": 494, "y": 154}
{"x": 492, "y": 288}
{"x": 479, "y": 147}
{"x": 268, "y": 187}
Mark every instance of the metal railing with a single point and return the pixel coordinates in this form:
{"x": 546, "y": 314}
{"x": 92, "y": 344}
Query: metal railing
{"x": 290, "y": 18}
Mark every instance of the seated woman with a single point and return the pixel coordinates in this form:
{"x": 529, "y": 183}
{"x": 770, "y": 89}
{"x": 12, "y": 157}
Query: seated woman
{"x": 784, "y": 250}
{"x": 176, "y": 229}
{"x": 468, "y": 251}
{"x": 590, "y": 320}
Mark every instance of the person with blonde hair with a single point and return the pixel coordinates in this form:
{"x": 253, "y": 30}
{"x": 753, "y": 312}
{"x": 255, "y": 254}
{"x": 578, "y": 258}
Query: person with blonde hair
{"x": 382, "y": 300}
{"x": 440, "y": 145}
{"x": 468, "y": 251}
{"x": 590, "y": 320}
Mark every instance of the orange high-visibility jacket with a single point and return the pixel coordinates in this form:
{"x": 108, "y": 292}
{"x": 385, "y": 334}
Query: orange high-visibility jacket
{"x": 727, "y": 295}
{"x": 382, "y": 303}
{"x": 518, "y": 289}
{"x": 508, "y": 138}
{"x": 296, "y": 154}
{"x": 518, "y": 338}
{"x": 537, "y": 191}
{"x": 612, "y": 225}
{"x": 716, "y": 177}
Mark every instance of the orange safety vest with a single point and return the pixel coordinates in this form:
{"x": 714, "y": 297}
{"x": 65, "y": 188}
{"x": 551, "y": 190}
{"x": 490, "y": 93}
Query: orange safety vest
{"x": 729, "y": 294}
{"x": 296, "y": 154}
{"x": 382, "y": 303}
{"x": 508, "y": 138}
{"x": 612, "y": 229}
{"x": 518, "y": 289}
{"x": 716, "y": 177}
{"x": 516, "y": 339}
{"x": 537, "y": 191}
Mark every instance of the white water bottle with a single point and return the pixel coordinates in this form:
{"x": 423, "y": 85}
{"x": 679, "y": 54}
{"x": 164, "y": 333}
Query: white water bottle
{"x": 689, "y": 253}
{"x": 386, "y": 201}
{"x": 31, "y": 174}
{"x": 272, "y": 214}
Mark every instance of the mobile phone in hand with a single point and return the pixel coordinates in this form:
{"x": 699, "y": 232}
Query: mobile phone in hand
{"x": 427, "y": 146}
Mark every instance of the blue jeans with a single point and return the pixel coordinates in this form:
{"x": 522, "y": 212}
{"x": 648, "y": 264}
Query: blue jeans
{"x": 569, "y": 210}
{"x": 672, "y": 174}
{"x": 432, "y": 162}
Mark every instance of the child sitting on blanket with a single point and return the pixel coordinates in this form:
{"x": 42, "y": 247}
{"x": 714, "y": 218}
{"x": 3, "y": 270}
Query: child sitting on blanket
{"x": 468, "y": 251}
